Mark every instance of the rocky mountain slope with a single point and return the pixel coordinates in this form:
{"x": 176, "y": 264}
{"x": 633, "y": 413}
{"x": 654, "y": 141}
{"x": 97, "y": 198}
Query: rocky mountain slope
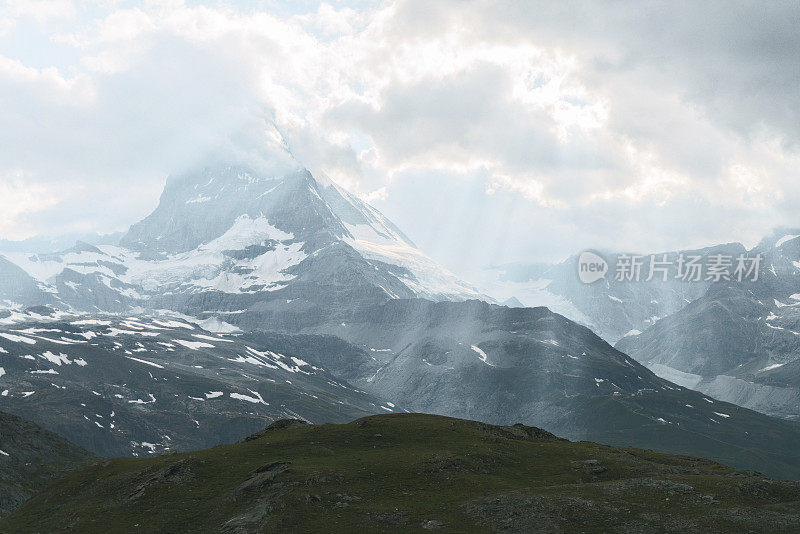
{"x": 150, "y": 384}
{"x": 734, "y": 340}
{"x": 406, "y": 473}
{"x": 504, "y": 365}
{"x": 31, "y": 458}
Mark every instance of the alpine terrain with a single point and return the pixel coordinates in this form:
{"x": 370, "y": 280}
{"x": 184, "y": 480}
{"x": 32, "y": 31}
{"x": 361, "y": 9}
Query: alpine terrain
{"x": 144, "y": 385}
{"x": 294, "y": 297}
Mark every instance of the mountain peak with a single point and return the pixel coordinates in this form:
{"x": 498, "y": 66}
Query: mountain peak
{"x": 200, "y": 206}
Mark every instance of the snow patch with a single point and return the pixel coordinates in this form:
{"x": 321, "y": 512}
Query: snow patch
{"x": 210, "y": 338}
{"x": 784, "y": 239}
{"x": 481, "y": 354}
{"x": 255, "y": 400}
{"x": 18, "y": 339}
{"x": 145, "y": 362}
{"x": 57, "y": 359}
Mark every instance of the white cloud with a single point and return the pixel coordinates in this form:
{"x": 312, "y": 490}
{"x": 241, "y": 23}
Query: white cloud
{"x": 576, "y": 116}
{"x": 40, "y": 10}
{"x": 19, "y": 200}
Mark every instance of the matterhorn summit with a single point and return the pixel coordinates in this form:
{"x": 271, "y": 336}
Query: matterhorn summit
{"x": 242, "y": 246}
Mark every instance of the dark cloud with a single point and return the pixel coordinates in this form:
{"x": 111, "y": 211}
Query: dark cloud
{"x": 736, "y": 59}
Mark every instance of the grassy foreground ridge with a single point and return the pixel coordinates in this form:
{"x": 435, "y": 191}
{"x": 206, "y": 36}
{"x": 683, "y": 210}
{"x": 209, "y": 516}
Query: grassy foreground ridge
{"x": 410, "y": 472}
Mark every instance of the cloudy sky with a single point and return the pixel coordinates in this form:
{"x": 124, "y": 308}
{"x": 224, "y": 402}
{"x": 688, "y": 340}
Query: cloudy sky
{"x": 489, "y": 131}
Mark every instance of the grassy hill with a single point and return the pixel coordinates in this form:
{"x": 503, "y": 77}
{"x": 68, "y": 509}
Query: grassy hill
{"x": 30, "y": 458}
{"x": 410, "y": 472}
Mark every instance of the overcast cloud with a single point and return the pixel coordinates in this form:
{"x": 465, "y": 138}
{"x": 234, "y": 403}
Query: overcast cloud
{"x": 489, "y": 131}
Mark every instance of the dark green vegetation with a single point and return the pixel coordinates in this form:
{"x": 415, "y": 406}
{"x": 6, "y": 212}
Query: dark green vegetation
{"x": 30, "y": 458}
{"x": 410, "y": 472}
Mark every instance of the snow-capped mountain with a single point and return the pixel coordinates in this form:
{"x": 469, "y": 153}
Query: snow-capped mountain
{"x": 226, "y": 239}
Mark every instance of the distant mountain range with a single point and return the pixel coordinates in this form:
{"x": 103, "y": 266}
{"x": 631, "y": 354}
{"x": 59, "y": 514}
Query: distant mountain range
{"x": 737, "y": 341}
{"x": 45, "y": 245}
{"x": 504, "y": 365}
{"x": 611, "y": 307}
